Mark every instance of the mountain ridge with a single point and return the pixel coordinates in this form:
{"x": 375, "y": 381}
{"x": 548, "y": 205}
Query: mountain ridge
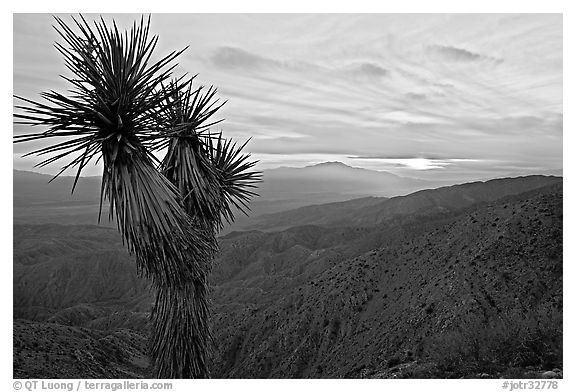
{"x": 36, "y": 199}
{"x": 319, "y": 301}
{"x": 371, "y": 210}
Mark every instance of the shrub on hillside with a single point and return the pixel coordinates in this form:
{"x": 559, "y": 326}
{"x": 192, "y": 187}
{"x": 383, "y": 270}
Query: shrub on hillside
{"x": 532, "y": 339}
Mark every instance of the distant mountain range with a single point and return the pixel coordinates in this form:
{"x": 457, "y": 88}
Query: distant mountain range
{"x": 373, "y": 210}
{"x": 448, "y": 282}
{"x": 336, "y": 177}
{"x": 38, "y": 201}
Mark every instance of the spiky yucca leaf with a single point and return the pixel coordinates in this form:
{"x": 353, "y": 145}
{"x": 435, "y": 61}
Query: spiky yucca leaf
{"x": 237, "y": 179}
{"x": 186, "y": 164}
{"x": 169, "y": 248}
{"x": 210, "y": 173}
{"x": 114, "y": 91}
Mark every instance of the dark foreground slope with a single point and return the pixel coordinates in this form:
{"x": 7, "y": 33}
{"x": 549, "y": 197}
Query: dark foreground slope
{"x": 477, "y": 292}
{"x": 80, "y": 310}
{"x": 51, "y": 350}
{"x": 449, "y": 294}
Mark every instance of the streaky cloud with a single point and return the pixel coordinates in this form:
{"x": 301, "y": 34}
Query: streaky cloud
{"x": 452, "y": 53}
{"x": 231, "y": 57}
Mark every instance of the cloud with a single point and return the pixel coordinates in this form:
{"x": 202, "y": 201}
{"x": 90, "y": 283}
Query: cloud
{"x": 318, "y": 86}
{"x": 452, "y": 53}
{"x": 432, "y": 157}
{"x": 549, "y": 125}
{"x": 413, "y": 117}
{"x": 371, "y": 70}
{"x": 415, "y": 162}
{"x": 230, "y": 57}
{"x": 416, "y": 96}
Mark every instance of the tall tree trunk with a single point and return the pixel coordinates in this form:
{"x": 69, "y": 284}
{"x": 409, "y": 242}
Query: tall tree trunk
{"x": 180, "y": 331}
{"x": 175, "y": 253}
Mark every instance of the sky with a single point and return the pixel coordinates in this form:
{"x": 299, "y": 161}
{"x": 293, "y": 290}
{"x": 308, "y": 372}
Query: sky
{"x": 433, "y": 96}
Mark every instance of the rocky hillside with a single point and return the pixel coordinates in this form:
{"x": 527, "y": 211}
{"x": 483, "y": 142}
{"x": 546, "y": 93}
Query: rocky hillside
{"x": 60, "y": 266}
{"x": 450, "y": 293}
{"x": 51, "y": 350}
{"x": 461, "y": 293}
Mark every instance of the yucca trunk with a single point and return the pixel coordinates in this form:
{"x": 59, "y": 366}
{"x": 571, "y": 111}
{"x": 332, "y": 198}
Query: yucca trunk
{"x": 180, "y": 331}
{"x": 177, "y": 261}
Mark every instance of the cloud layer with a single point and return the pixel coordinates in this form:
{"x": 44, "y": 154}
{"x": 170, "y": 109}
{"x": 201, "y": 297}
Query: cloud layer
{"x": 454, "y": 96}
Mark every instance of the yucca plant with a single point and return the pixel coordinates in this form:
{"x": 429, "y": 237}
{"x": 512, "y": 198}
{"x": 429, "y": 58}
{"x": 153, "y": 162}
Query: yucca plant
{"x": 210, "y": 177}
{"x": 116, "y": 111}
